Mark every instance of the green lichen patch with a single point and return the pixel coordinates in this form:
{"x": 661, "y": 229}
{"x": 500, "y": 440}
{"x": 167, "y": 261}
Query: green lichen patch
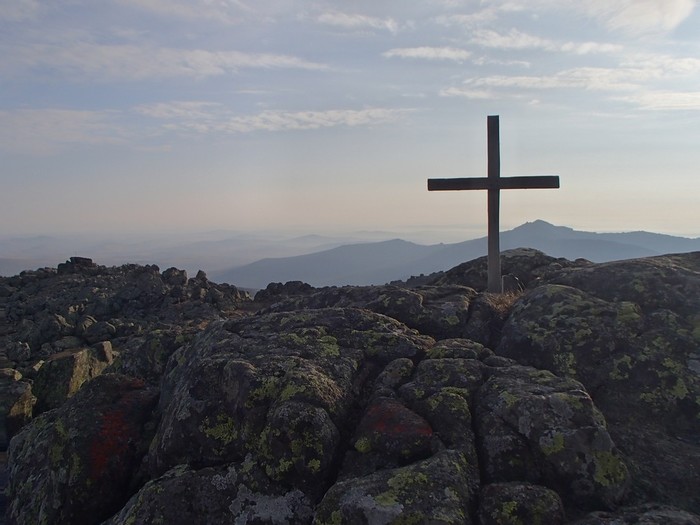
{"x": 222, "y": 429}
{"x": 609, "y": 469}
{"x": 430, "y": 491}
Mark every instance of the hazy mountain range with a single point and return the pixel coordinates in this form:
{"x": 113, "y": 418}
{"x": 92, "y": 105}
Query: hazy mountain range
{"x": 381, "y": 262}
{"x": 254, "y": 260}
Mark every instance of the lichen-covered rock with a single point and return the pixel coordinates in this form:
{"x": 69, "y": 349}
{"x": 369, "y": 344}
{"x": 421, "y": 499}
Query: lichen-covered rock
{"x": 338, "y": 404}
{"x": 433, "y": 490}
{"x": 16, "y": 404}
{"x": 234, "y": 493}
{"x": 526, "y": 264}
{"x": 280, "y": 387}
{"x": 62, "y": 375}
{"x": 440, "y": 312}
{"x": 638, "y": 361}
{"x": 388, "y": 435}
{"x": 519, "y": 504}
{"x": 649, "y": 514}
{"x": 568, "y": 331}
{"x": 668, "y": 282}
{"x": 75, "y": 464}
{"x": 534, "y": 426}
{"x": 55, "y": 316}
{"x": 146, "y": 357}
{"x": 95, "y": 303}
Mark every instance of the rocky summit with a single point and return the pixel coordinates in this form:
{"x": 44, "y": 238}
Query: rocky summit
{"x": 132, "y": 395}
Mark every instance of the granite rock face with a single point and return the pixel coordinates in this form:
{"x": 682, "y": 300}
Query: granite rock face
{"x": 76, "y": 464}
{"x": 630, "y": 332}
{"x": 573, "y": 401}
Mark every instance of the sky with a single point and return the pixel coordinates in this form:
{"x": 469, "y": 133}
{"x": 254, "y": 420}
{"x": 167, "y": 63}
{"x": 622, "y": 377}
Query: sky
{"x": 317, "y": 116}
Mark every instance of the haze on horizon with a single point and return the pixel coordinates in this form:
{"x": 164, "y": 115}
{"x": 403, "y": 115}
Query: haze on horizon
{"x": 318, "y": 116}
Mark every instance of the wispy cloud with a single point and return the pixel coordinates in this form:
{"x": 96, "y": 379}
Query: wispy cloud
{"x": 665, "y": 100}
{"x": 631, "y": 17}
{"x": 429, "y": 53}
{"x": 513, "y": 39}
{"x": 226, "y": 11}
{"x": 588, "y": 78}
{"x": 132, "y": 62}
{"x": 470, "y": 93}
{"x": 518, "y": 40}
{"x": 205, "y": 117}
{"x": 357, "y": 21}
{"x": 638, "y": 16}
{"x": 470, "y": 20}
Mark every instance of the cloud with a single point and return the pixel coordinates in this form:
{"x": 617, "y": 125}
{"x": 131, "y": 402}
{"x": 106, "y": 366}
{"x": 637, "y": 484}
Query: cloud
{"x": 589, "y": 78}
{"x": 631, "y": 17}
{"x": 665, "y": 65}
{"x": 179, "y": 110}
{"x": 639, "y": 16}
{"x": 429, "y": 53}
{"x": 205, "y": 117}
{"x": 470, "y": 20}
{"x": 474, "y": 94}
{"x": 226, "y": 11}
{"x": 665, "y": 100}
{"x": 585, "y": 78}
{"x": 131, "y": 62}
{"x": 356, "y": 21}
{"x": 588, "y": 48}
{"x": 517, "y": 40}
{"x": 513, "y": 39}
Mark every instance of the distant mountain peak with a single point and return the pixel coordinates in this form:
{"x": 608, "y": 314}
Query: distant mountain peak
{"x": 540, "y": 227}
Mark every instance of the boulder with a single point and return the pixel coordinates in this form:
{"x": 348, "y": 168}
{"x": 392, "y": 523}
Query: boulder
{"x": 636, "y": 358}
{"x": 234, "y": 493}
{"x": 280, "y": 387}
{"x": 433, "y": 490}
{"x": 440, "y": 312}
{"x": 519, "y": 504}
{"x": 62, "y": 375}
{"x": 16, "y": 404}
{"x": 534, "y": 426}
{"x": 76, "y": 464}
{"x": 526, "y": 266}
{"x": 649, "y": 514}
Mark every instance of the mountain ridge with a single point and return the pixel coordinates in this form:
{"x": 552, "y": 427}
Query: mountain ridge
{"x": 415, "y": 259}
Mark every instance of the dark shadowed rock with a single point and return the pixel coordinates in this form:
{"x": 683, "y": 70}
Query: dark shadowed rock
{"x": 432, "y": 404}
{"x": 519, "y": 504}
{"x": 526, "y": 265}
{"x": 534, "y": 426}
{"x": 16, "y": 404}
{"x": 75, "y": 464}
{"x": 62, "y": 375}
{"x": 235, "y": 493}
{"x": 433, "y": 490}
{"x": 634, "y": 347}
{"x": 441, "y": 312}
{"x": 281, "y": 387}
{"x": 650, "y": 514}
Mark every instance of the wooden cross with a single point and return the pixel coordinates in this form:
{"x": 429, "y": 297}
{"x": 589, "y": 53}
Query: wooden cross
{"x": 494, "y": 183}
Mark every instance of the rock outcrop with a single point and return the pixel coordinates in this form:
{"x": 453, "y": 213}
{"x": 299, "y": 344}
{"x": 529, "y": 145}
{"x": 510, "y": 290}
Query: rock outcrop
{"x": 136, "y": 396}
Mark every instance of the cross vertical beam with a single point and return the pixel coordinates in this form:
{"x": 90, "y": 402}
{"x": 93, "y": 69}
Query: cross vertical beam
{"x": 494, "y": 204}
{"x": 493, "y": 183}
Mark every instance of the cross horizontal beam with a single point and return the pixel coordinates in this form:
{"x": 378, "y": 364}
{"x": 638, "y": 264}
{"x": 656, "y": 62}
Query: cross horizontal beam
{"x": 490, "y": 183}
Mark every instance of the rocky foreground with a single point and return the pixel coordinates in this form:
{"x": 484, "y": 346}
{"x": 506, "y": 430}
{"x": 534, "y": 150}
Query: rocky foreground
{"x": 135, "y": 396}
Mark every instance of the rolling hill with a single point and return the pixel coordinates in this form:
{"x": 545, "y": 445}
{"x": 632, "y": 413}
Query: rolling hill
{"x": 381, "y": 262}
